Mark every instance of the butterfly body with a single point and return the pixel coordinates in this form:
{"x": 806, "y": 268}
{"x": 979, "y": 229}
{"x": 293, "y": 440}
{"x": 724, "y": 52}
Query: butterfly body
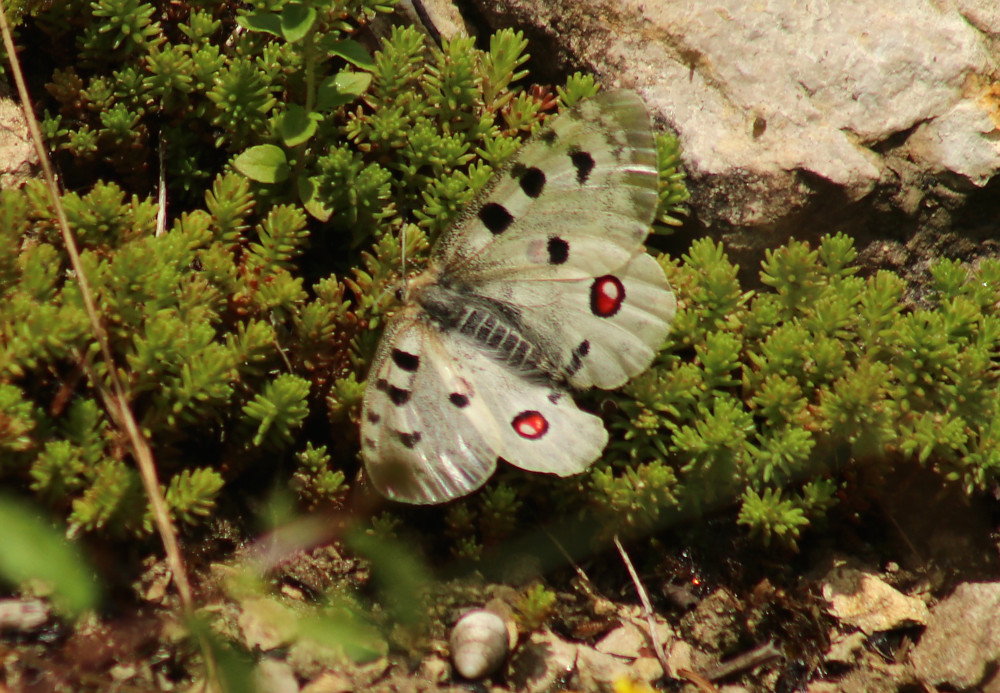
{"x": 542, "y": 286}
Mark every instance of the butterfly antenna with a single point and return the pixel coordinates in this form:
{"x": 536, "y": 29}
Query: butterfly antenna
{"x": 402, "y": 249}
{"x": 402, "y": 255}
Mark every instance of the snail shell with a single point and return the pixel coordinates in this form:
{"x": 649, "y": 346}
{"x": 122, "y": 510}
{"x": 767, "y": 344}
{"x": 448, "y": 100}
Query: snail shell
{"x": 480, "y": 642}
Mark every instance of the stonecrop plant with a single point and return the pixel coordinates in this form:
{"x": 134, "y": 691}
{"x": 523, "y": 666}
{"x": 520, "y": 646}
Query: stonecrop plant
{"x": 299, "y": 152}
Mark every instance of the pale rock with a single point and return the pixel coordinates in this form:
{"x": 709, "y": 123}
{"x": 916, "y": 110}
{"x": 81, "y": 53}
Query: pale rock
{"x": 273, "y": 676}
{"x": 962, "y": 640}
{"x": 309, "y": 658}
{"x": 543, "y": 663}
{"x": 597, "y": 670}
{"x": 822, "y": 687}
{"x": 844, "y": 646}
{"x": 984, "y": 16}
{"x": 441, "y": 18}
{"x": 779, "y": 104}
{"x": 863, "y": 600}
{"x": 631, "y": 637}
{"x": 953, "y": 143}
{"x": 680, "y": 658}
{"x": 123, "y": 672}
{"x": 266, "y": 624}
{"x": 623, "y": 641}
{"x": 23, "y": 615}
{"x": 435, "y": 670}
{"x": 18, "y": 160}
{"x": 329, "y": 682}
{"x": 646, "y": 669}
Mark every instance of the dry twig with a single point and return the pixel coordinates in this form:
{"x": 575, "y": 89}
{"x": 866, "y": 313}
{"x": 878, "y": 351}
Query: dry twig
{"x": 647, "y": 606}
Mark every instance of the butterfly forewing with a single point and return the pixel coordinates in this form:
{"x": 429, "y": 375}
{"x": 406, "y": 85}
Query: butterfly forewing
{"x": 542, "y": 285}
{"x": 599, "y": 331}
{"x": 591, "y": 173}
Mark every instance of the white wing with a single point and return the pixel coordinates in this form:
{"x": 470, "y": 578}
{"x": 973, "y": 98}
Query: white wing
{"x": 556, "y": 243}
{"x": 589, "y": 175}
{"x": 598, "y": 331}
{"x": 438, "y": 413}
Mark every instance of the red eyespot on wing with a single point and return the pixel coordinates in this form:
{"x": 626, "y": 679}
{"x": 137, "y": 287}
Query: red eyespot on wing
{"x": 607, "y": 294}
{"x": 530, "y": 425}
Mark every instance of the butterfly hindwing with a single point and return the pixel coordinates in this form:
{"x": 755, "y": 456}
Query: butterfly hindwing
{"x": 413, "y": 442}
{"x": 599, "y": 331}
{"x": 439, "y": 412}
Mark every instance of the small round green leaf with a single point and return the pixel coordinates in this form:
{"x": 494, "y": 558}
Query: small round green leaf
{"x": 311, "y": 201}
{"x": 296, "y": 21}
{"x": 351, "y": 51}
{"x": 341, "y": 89}
{"x": 296, "y": 126}
{"x": 266, "y": 22}
{"x": 265, "y": 163}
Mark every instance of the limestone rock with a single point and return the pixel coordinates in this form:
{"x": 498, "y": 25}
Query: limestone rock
{"x": 863, "y": 600}
{"x": 962, "y": 640}
{"x": 783, "y": 105}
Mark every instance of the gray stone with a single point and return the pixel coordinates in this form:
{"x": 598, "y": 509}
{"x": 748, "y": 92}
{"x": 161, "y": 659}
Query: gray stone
{"x": 782, "y": 105}
{"x": 962, "y": 640}
{"x": 865, "y": 601}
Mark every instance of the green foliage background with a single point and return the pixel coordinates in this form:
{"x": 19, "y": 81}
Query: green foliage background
{"x": 297, "y": 148}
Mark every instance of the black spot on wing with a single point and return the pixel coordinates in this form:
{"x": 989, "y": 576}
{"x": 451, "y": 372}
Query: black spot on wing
{"x": 531, "y": 179}
{"x": 373, "y": 417}
{"x": 405, "y": 360}
{"x": 495, "y": 217}
{"x": 576, "y": 357}
{"x": 398, "y": 395}
{"x": 458, "y": 399}
{"x": 548, "y": 136}
{"x": 558, "y": 250}
{"x": 583, "y": 162}
{"x": 409, "y": 440}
